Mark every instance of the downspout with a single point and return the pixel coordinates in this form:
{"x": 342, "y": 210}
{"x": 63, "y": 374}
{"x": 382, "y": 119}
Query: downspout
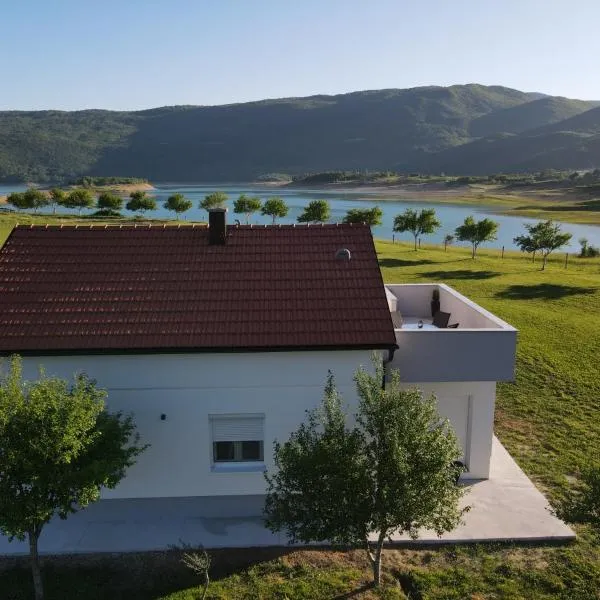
{"x": 386, "y": 362}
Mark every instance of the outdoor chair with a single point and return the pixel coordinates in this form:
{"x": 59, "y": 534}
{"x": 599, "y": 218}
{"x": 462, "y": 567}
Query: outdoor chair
{"x": 440, "y": 319}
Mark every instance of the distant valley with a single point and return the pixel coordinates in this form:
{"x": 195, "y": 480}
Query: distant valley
{"x": 463, "y": 129}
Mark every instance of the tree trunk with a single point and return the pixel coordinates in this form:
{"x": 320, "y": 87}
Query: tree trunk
{"x": 206, "y": 584}
{"x": 415, "y": 242}
{"x": 375, "y": 557}
{"x": 474, "y": 250}
{"x": 377, "y": 569}
{"x": 273, "y": 219}
{"x": 533, "y": 259}
{"x": 544, "y": 256}
{"x": 35, "y": 566}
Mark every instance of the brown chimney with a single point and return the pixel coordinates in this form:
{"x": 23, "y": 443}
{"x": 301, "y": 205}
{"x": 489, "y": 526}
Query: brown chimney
{"x": 217, "y": 226}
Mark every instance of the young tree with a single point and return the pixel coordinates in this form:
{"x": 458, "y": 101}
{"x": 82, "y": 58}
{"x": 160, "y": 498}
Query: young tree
{"x": 317, "y": 211}
{"x": 394, "y": 472}
{"x": 57, "y": 197}
{"x": 19, "y": 201}
{"x": 418, "y": 223}
{"x": 110, "y": 203}
{"x": 79, "y": 198}
{"x": 178, "y": 203}
{"x": 245, "y": 205}
{"x": 548, "y": 237}
{"x": 140, "y": 202}
{"x": 275, "y": 207}
{"x": 214, "y": 200}
{"x": 544, "y": 236}
{"x": 35, "y": 199}
{"x": 370, "y": 216}
{"x": 477, "y": 232}
{"x": 59, "y": 447}
{"x": 527, "y": 243}
{"x": 448, "y": 241}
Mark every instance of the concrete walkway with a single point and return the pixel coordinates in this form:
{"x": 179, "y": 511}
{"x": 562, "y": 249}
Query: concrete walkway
{"x": 505, "y": 507}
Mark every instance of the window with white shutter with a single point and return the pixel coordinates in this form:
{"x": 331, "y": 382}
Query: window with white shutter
{"x": 237, "y": 438}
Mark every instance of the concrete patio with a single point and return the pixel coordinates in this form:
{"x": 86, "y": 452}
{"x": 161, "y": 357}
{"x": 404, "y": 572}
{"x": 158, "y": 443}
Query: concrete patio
{"x": 505, "y": 507}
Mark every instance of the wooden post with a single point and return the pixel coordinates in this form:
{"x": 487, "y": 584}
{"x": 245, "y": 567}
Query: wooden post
{"x": 502, "y": 251}
{"x": 419, "y": 242}
{"x": 566, "y": 260}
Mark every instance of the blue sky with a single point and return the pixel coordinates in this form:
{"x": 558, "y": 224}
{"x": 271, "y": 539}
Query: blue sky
{"x": 133, "y": 54}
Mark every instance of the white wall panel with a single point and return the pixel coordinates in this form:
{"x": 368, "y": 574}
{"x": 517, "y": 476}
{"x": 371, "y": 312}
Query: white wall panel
{"x": 187, "y": 388}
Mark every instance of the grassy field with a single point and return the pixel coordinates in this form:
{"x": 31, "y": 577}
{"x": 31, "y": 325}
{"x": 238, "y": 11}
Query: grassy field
{"x": 549, "y": 420}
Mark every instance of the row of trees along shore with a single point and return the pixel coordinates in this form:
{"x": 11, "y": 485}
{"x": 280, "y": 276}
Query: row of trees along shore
{"x": 543, "y": 237}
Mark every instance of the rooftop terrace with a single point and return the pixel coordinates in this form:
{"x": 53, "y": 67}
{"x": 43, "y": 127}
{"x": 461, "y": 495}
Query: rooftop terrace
{"x": 481, "y": 347}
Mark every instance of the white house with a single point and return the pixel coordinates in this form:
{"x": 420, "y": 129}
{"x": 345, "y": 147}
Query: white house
{"x": 219, "y": 339}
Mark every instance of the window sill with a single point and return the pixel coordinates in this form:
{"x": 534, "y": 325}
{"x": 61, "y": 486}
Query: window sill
{"x": 239, "y": 467}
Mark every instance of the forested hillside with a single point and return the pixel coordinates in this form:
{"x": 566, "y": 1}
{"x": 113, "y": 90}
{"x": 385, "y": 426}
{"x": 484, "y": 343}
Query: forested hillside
{"x": 460, "y": 129}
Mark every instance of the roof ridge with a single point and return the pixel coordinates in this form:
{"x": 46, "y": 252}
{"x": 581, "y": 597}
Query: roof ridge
{"x": 184, "y": 226}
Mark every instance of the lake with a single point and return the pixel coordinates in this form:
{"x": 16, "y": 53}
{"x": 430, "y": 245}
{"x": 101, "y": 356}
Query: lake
{"x": 450, "y": 215}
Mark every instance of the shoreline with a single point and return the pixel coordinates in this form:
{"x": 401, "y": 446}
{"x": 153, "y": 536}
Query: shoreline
{"x": 562, "y": 205}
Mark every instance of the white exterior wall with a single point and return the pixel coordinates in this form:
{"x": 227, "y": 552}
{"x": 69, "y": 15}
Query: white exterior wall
{"x": 469, "y": 406}
{"x": 187, "y": 388}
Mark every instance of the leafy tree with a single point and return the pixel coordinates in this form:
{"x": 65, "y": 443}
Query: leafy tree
{"x": 477, "y": 232}
{"x": 527, "y": 243}
{"x": 18, "y": 200}
{"x": 214, "y": 200}
{"x": 140, "y": 202}
{"x": 317, "y": 211}
{"x": 418, "y": 223}
{"x": 370, "y": 216}
{"x": 448, "y": 241}
{"x": 79, "y": 198}
{"x": 394, "y": 472}
{"x": 36, "y": 199}
{"x": 245, "y": 205}
{"x": 110, "y": 203}
{"x": 59, "y": 447}
{"x": 275, "y": 207}
{"x": 178, "y": 203}
{"x": 547, "y": 236}
{"x": 57, "y": 197}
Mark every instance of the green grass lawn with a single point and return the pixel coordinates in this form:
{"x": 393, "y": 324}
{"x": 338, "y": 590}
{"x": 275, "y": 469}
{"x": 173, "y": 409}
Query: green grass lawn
{"x": 549, "y": 420}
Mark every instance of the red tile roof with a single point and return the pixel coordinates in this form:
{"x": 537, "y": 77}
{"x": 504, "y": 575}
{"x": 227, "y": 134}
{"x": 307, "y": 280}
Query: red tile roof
{"x": 147, "y": 288}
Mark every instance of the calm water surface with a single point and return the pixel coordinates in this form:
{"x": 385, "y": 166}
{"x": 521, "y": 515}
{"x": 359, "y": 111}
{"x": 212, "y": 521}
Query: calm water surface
{"x": 450, "y": 215}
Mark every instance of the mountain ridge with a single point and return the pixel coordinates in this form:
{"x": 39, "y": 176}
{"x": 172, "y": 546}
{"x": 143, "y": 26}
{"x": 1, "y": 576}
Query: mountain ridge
{"x": 427, "y": 128}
